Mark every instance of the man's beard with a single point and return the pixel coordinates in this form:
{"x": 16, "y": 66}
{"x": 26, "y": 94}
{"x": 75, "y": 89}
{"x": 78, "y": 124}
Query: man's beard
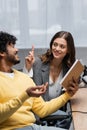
{"x": 16, "y": 62}
{"x": 11, "y": 58}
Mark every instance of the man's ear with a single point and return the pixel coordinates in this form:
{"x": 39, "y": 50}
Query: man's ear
{"x": 2, "y": 54}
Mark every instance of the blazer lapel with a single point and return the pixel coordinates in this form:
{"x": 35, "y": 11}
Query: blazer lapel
{"x": 45, "y": 78}
{"x": 45, "y": 72}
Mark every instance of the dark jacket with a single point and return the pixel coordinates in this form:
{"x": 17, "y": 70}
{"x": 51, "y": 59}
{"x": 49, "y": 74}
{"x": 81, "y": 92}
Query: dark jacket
{"x": 41, "y": 74}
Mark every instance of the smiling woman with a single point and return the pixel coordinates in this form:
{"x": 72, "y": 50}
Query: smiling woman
{"x": 53, "y": 65}
{"x": 59, "y": 48}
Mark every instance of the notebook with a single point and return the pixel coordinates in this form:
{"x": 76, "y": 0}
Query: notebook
{"x": 75, "y": 71}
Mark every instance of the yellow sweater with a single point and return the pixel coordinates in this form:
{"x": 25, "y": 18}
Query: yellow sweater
{"x": 16, "y": 108}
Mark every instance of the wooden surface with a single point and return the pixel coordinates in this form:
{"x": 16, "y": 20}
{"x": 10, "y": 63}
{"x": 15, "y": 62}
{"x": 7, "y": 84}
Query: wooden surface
{"x": 78, "y": 105}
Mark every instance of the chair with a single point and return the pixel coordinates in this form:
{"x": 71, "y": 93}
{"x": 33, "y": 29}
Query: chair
{"x": 58, "y": 119}
{"x": 61, "y": 118}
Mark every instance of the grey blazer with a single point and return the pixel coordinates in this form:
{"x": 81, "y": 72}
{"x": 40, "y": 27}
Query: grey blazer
{"x": 41, "y": 74}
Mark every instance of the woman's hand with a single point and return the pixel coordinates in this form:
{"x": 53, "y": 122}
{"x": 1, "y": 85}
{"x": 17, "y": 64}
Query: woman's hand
{"x": 29, "y": 60}
{"x": 73, "y": 87}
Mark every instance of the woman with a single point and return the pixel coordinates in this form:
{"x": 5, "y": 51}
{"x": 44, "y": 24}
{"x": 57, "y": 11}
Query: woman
{"x": 53, "y": 65}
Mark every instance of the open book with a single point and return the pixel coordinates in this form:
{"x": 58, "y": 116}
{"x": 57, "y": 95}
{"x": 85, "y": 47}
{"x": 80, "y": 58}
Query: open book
{"x": 75, "y": 71}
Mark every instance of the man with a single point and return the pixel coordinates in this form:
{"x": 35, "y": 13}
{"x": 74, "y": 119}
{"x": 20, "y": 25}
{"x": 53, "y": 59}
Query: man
{"x": 19, "y": 97}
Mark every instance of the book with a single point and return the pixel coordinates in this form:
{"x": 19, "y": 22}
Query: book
{"x": 75, "y": 71}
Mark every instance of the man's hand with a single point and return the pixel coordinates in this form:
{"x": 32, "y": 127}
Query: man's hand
{"x": 37, "y": 90}
{"x": 73, "y": 87}
{"x": 29, "y": 60}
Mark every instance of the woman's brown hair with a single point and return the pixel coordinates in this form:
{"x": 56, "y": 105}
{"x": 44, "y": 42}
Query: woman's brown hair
{"x": 70, "y": 56}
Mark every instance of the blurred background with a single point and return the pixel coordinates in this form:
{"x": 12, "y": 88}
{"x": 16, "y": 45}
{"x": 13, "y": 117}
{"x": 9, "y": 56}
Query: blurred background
{"x": 34, "y": 22}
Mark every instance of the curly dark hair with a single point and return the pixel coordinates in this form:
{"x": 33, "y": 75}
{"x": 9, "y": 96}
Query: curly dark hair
{"x": 70, "y": 57}
{"x": 5, "y": 39}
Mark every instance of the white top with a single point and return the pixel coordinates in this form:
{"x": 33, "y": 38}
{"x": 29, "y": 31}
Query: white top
{"x": 55, "y": 88}
{"x": 11, "y": 75}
